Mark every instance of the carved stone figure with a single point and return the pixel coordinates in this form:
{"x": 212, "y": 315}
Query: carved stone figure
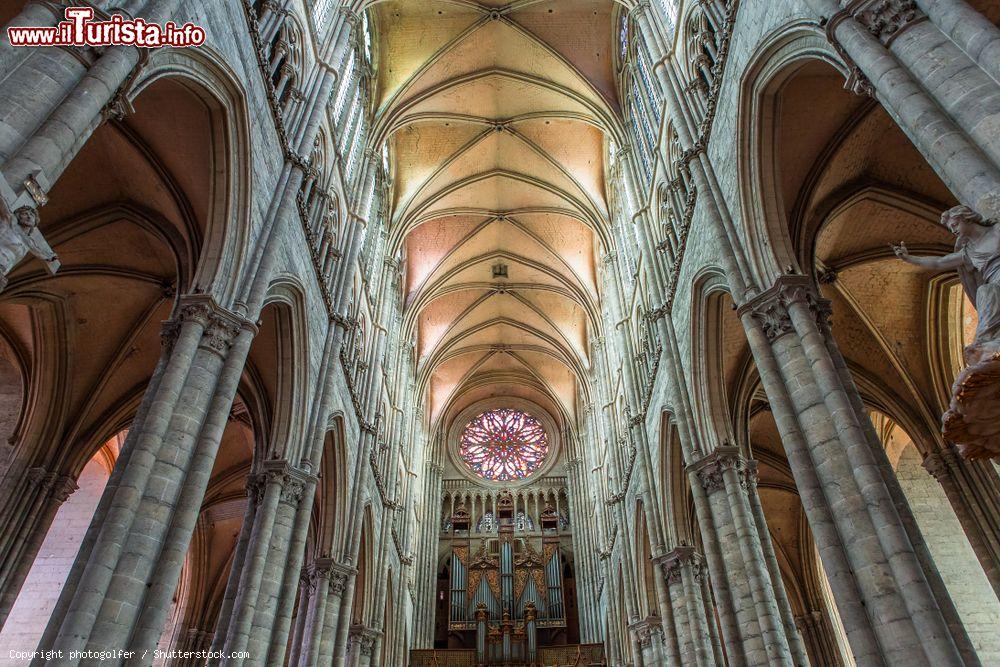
{"x": 973, "y": 419}
{"x": 19, "y": 235}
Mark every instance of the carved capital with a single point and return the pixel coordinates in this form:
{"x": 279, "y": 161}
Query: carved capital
{"x": 118, "y": 107}
{"x": 57, "y": 487}
{"x": 292, "y": 491}
{"x": 749, "y": 476}
{"x": 887, "y": 19}
{"x": 219, "y": 326}
{"x": 808, "y": 622}
{"x": 671, "y": 571}
{"x": 351, "y": 17}
{"x": 857, "y": 82}
{"x": 771, "y": 314}
{"x": 637, "y": 419}
{"x": 711, "y": 478}
{"x": 256, "y": 484}
{"x": 644, "y": 631}
{"x": 770, "y": 307}
{"x": 36, "y": 476}
{"x": 340, "y": 577}
{"x": 827, "y": 276}
{"x": 168, "y": 333}
{"x": 673, "y": 563}
{"x": 365, "y": 637}
{"x": 63, "y": 487}
{"x": 710, "y": 470}
{"x": 320, "y": 571}
{"x": 220, "y": 334}
{"x": 940, "y": 464}
{"x": 292, "y": 481}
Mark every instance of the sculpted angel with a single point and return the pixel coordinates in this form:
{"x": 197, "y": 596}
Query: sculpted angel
{"x": 977, "y": 260}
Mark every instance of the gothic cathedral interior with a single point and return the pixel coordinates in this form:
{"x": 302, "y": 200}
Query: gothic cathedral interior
{"x": 500, "y": 333}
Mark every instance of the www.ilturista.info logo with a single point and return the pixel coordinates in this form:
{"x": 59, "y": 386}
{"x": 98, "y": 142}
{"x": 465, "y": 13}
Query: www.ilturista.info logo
{"x": 80, "y": 29}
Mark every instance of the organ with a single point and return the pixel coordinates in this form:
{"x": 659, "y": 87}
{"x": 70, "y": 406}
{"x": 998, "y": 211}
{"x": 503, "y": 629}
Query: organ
{"x": 506, "y": 588}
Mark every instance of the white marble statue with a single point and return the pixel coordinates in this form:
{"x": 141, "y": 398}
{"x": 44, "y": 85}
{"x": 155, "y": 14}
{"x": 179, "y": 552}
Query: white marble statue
{"x": 977, "y": 260}
{"x": 972, "y": 420}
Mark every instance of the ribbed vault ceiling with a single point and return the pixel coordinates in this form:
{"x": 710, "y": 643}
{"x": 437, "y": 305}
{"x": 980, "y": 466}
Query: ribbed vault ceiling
{"x": 496, "y": 119}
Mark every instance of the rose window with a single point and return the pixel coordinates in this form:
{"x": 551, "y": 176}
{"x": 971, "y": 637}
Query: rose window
{"x": 504, "y": 445}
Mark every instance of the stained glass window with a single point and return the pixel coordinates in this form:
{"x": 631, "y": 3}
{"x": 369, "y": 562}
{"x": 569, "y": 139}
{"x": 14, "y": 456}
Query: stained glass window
{"x": 504, "y": 445}
{"x": 623, "y": 36}
{"x": 669, "y": 8}
{"x": 366, "y": 33}
{"x": 487, "y": 524}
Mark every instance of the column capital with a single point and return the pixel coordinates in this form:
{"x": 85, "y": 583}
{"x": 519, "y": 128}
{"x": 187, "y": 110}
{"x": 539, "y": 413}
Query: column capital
{"x": 810, "y": 620}
{"x": 366, "y": 637}
{"x": 682, "y": 557}
{"x": 940, "y": 463}
{"x": 351, "y": 17}
{"x": 256, "y": 482}
{"x": 56, "y": 486}
{"x": 770, "y": 307}
{"x": 710, "y": 468}
{"x": 646, "y": 629}
{"x": 886, "y": 19}
{"x": 291, "y": 481}
{"x": 340, "y": 576}
{"x": 63, "y": 487}
{"x": 219, "y": 325}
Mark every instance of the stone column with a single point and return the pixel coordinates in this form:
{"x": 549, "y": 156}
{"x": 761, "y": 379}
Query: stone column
{"x": 691, "y": 445}
{"x": 891, "y": 598}
{"x": 341, "y": 642}
{"x": 146, "y": 517}
{"x": 366, "y": 643}
{"x": 819, "y": 638}
{"x": 921, "y": 79}
{"x": 27, "y": 518}
{"x": 291, "y": 564}
{"x": 973, "y": 487}
{"x": 341, "y": 577}
{"x": 259, "y": 583}
{"x": 771, "y": 562}
{"x": 649, "y": 637}
{"x": 969, "y": 30}
{"x": 426, "y": 573}
{"x": 378, "y": 619}
{"x": 586, "y": 580}
{"x": 255, "y": 493}
{"x": 265, "y": 626}
{"x": 941, "y": 67}
{"x": 305, "y": 614}
{"x": 758, "y": 599}
{"x": 683, "y": 570}
{"x": 305, "y": 651}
